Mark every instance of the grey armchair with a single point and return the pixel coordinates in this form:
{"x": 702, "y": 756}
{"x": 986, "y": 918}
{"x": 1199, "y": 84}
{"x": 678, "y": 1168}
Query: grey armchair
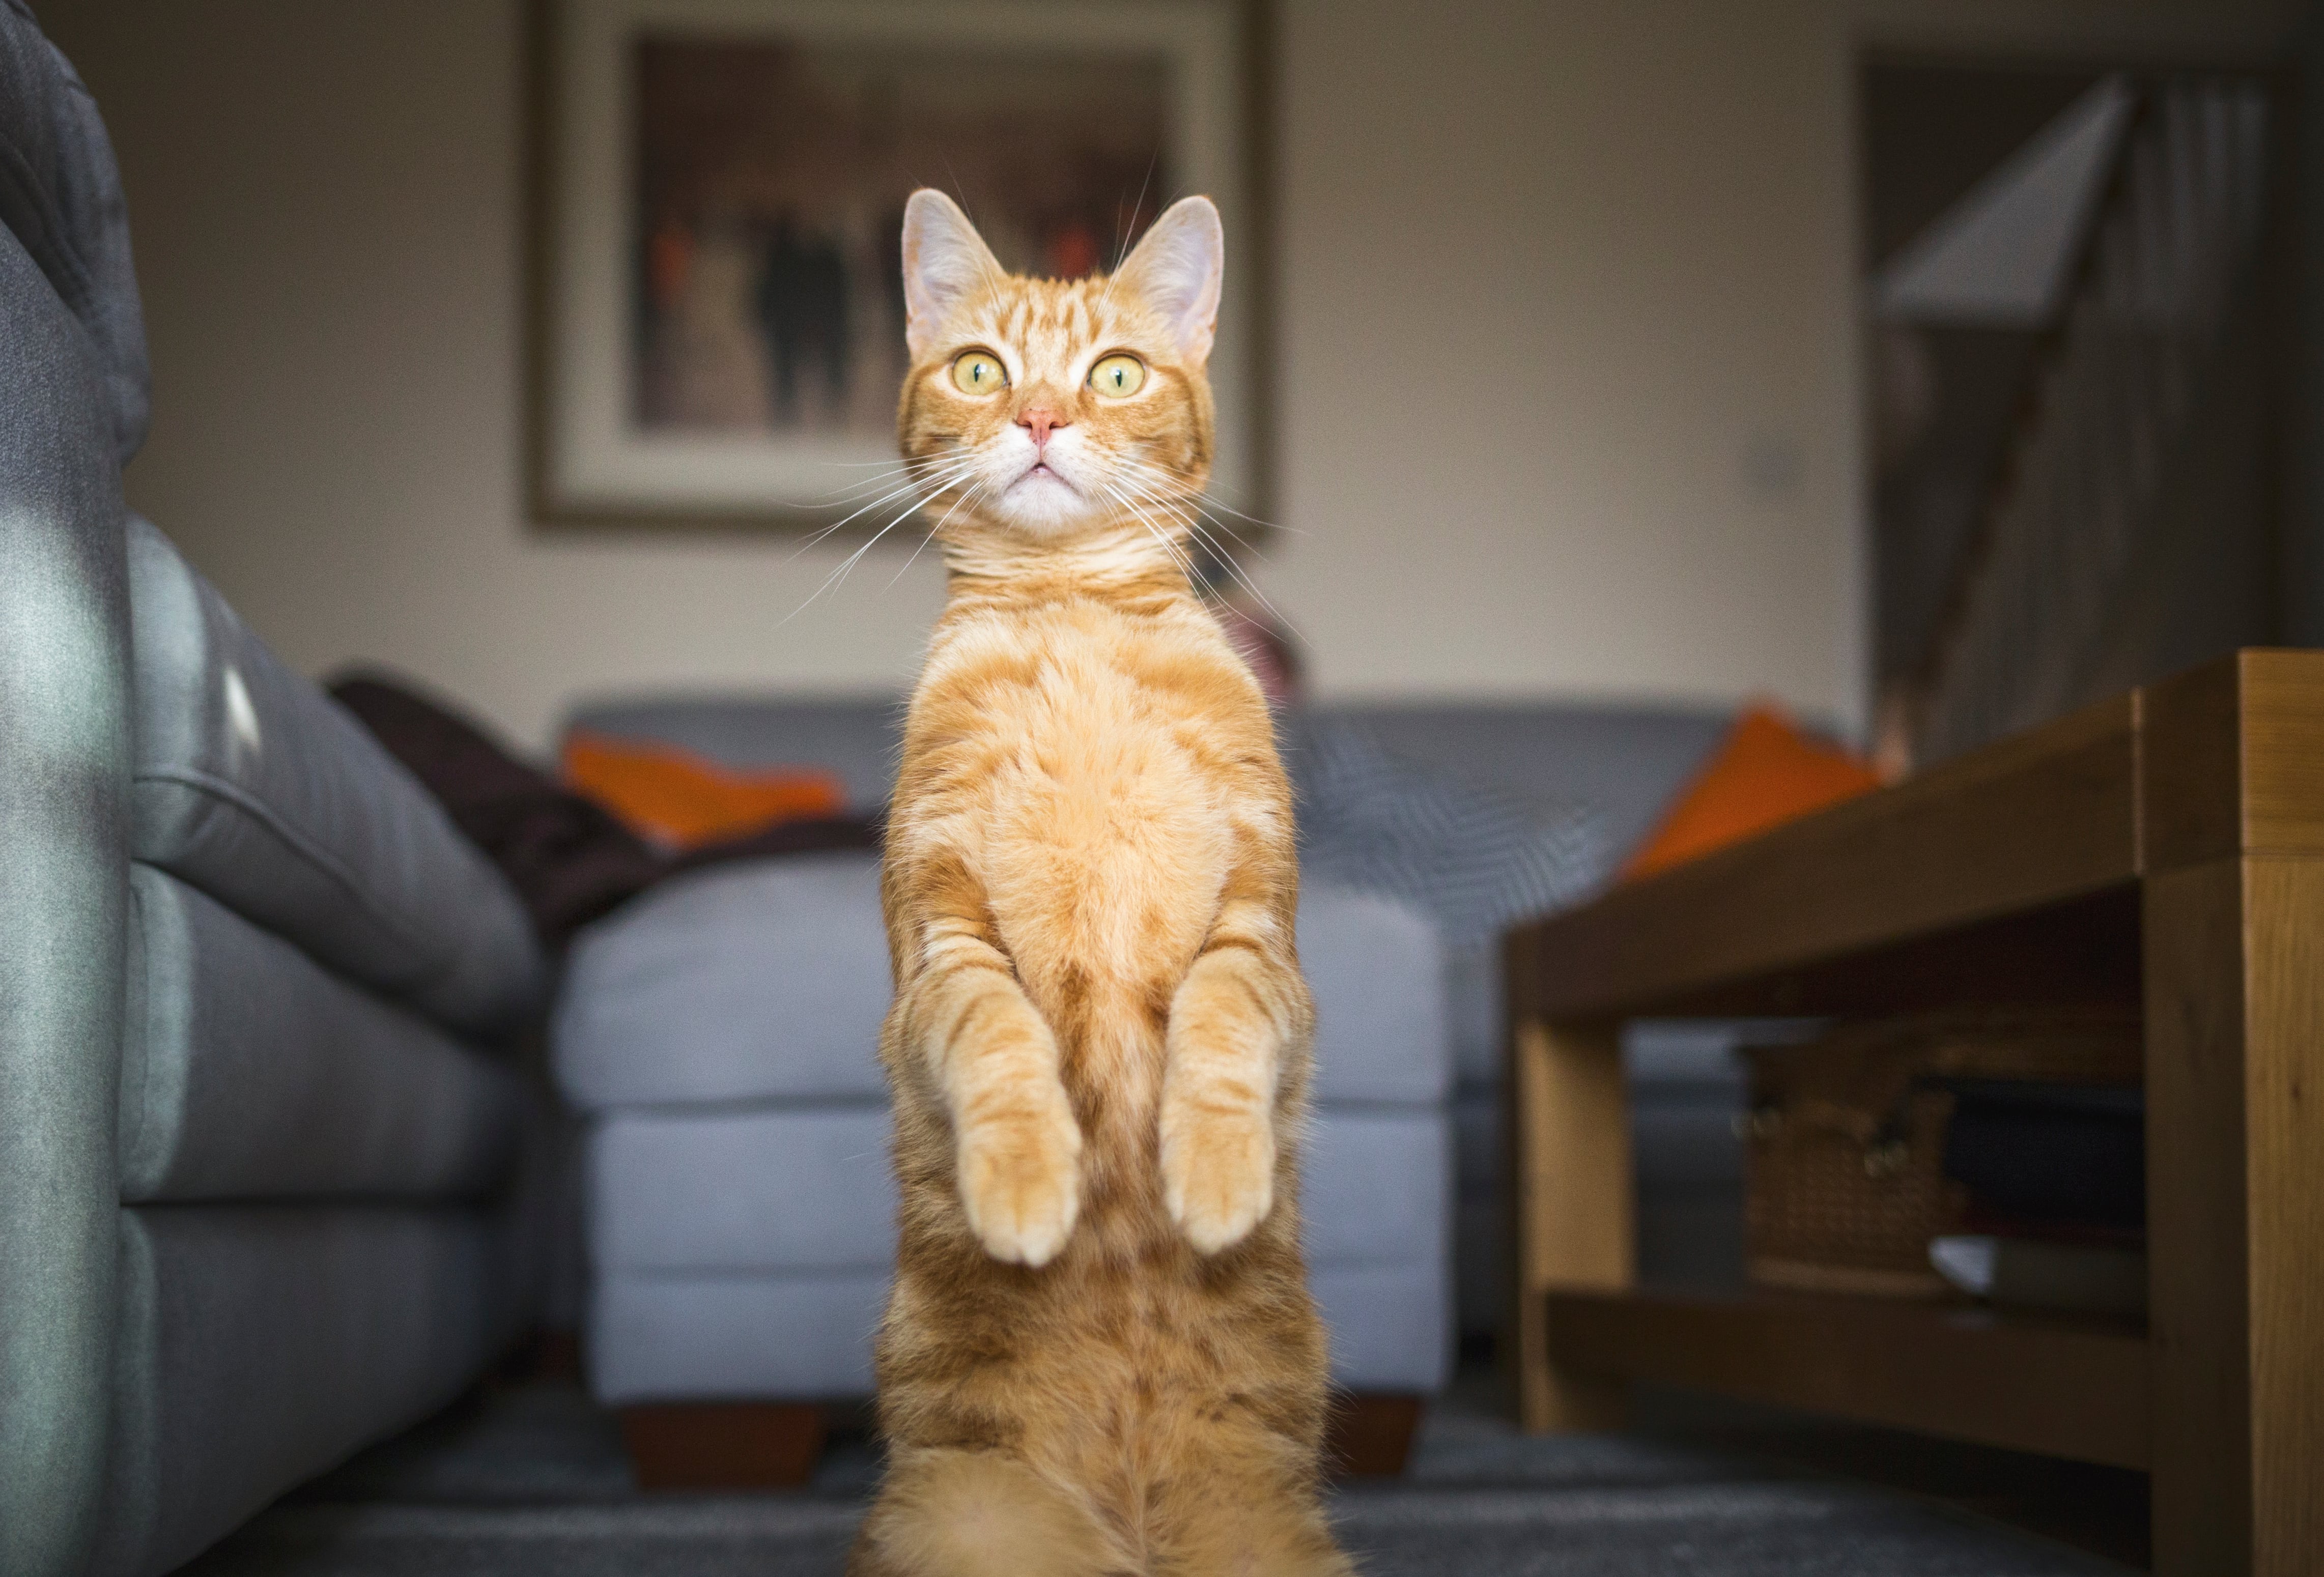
{"x": 255, "y": 1163}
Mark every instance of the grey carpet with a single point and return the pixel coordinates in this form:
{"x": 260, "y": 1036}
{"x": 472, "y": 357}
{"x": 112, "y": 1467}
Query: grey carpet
{"x": 531, "y": 1483}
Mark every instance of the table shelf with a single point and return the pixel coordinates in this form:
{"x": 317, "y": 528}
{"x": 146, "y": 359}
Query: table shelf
{"x": 2067, "y": 1387}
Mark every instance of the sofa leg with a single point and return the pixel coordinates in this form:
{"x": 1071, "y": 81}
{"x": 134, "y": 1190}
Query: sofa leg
{"x": 722, "y": 1446}
{"x": 1370, "y": 1434}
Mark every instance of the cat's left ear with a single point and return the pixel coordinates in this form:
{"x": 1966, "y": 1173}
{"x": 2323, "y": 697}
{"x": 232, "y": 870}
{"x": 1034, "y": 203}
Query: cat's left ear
{"x": 1177, "y": 269}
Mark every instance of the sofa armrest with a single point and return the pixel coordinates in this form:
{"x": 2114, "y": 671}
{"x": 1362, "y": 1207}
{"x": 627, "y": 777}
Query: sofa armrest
{"x": 64, "y": 773}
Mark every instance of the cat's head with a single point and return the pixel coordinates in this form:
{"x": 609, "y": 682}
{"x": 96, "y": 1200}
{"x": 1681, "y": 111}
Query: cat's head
{"x": 1053, "y": 408}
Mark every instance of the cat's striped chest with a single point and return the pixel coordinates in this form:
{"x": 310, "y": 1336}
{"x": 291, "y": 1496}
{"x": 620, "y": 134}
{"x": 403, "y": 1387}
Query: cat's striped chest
{"x": 1100, "y": 829}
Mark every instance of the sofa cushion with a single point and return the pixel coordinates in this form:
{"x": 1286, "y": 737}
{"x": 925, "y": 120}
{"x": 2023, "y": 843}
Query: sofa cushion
{"x": 810, "y": 1191}
{"x": 253, "y": 786}
{"x": 762, "y": 981}
{"x": 742, "y": 1191}
{"x": 247, "y": 1072}
{"x": 1474, "y": 860}
{"x": 260, "y": 1345}
{"x": 1766, "y": 771}
{"x": 859, "y": 740}
{"x": 1391, "y": 1327}
{"x": 658, "y": 1337}
{"x": 768, "y": 982}
{"x": 677, "y": 800}
{"x": 1376, "y": 1188}
{"x": 1382, "y": 1026}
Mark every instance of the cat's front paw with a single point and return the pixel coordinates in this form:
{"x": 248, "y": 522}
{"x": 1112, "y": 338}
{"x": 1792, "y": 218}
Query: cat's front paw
{"x": 1021, "y": 1182}
{"x": 1218, "y": 1172}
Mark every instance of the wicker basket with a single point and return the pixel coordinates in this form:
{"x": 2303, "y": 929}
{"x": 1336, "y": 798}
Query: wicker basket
{"x": 1846, "y": 1136}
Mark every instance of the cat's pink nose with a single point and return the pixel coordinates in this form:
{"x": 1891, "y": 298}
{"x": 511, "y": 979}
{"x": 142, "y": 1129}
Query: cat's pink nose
{"x": 1039, "y": 421}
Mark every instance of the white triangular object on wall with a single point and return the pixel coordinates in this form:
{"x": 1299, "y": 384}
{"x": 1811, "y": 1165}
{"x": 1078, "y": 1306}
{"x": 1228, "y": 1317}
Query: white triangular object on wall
{"x": 1998, "y": 257}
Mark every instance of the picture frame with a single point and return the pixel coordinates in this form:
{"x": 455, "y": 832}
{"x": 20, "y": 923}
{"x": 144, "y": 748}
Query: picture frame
{"x": 714, "y": 304}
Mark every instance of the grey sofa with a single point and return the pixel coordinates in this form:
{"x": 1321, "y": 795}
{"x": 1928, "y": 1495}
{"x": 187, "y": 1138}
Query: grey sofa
{"x": 718, "y": 1036}
{"x": 254, "y": 1170}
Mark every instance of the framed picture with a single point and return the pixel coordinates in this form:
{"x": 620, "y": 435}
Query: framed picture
{"x": 719, "y": 186}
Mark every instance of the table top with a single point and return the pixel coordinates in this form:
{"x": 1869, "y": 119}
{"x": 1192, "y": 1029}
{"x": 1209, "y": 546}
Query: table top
{"x": 2020, "y": 860}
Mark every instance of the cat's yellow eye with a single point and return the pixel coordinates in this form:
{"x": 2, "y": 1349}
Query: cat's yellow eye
{"x": 1118, "y": 376}
{"x": 978, "y": 372}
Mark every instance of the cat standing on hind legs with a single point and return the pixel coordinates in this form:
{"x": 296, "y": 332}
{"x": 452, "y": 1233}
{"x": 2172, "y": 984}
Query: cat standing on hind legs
{"x": 1100, "y": 1358}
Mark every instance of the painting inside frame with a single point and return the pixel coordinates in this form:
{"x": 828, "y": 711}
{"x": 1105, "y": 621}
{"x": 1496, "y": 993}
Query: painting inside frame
{"x": 721, "y": 328}
{"x": 771, "y": 185}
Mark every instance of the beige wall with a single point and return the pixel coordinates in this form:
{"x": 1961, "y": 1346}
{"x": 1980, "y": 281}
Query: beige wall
{"x": 1554, "y": 276}
{"x": 1565, "y": 315}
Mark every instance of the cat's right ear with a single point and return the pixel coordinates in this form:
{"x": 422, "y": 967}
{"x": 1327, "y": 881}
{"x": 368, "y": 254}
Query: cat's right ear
{"x": 944, "y": 262}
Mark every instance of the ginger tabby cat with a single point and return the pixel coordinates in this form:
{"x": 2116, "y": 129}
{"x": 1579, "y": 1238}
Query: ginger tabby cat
{"x": 1100, "y": 1356}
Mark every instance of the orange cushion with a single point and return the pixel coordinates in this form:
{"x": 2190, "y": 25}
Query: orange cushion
{"x": 677, "y": 798}
{"x": 1764, "y": 773}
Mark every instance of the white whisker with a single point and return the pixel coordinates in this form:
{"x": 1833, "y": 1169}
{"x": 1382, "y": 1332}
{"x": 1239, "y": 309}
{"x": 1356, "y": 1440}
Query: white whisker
{"x": 1209, "y": 505}
{"x": 915, "y": 469}
{"x": 1186, "y": 507}
{"x": 841, "y": 495}
{"x": 974, "y": 488}
{"x": 935, "y": 484}
{"x": 839, "y": 576}
{"x": 1175, "y": 511}
{"x": 890, "y": 471}
{"x": 1177, "y": 555}
{"x": 1121, "y": 237}
{"x": 831, "y": 582}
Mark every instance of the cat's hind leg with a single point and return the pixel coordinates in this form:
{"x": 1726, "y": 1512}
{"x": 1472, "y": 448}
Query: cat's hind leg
{"x": 1235, "y": 1527}
{"x": 1238, "y": 1498}
{"x": 944, "y": 1513}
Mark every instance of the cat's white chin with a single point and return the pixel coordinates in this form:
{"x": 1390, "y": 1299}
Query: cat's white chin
{"x": 1044, "y": 505}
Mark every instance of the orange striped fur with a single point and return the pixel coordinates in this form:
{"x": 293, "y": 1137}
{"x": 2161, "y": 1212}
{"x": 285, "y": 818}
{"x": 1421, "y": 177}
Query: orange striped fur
{"x": 1100, "y": 1356}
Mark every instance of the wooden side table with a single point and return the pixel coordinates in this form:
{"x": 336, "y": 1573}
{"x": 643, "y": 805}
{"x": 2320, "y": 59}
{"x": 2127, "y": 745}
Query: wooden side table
{"x": 2163, "y": 849}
